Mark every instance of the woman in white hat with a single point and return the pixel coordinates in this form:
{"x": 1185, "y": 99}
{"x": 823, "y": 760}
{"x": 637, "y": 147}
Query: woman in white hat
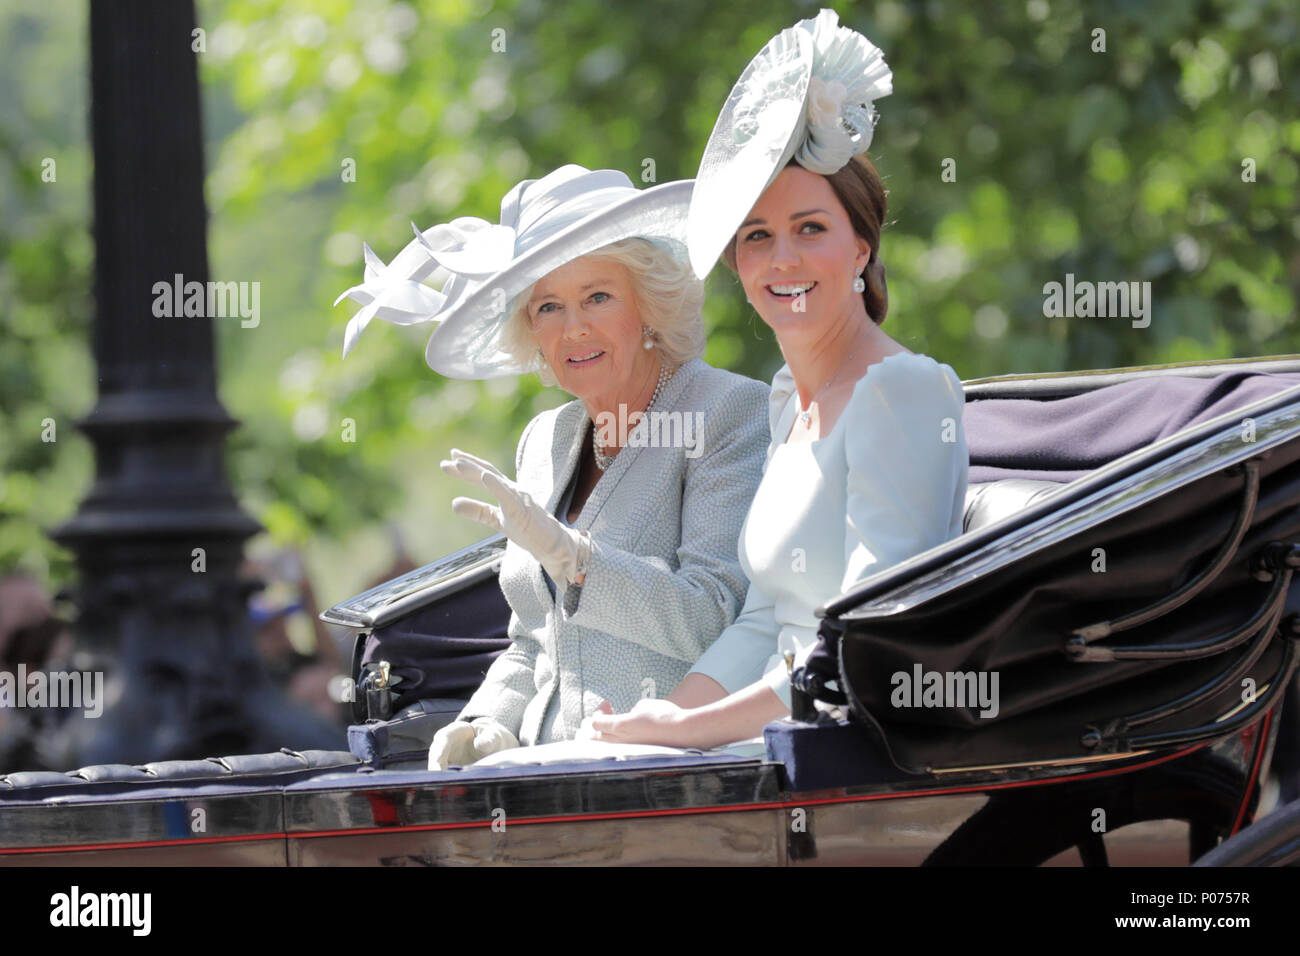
{"x": 868, "y": 462}
{"x": 621, "y": 566}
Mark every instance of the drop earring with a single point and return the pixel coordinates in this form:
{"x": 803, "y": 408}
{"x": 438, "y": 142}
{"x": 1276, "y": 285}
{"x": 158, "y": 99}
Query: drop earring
{"x": 649, "y": 342}
{"x": 859, "y": 284}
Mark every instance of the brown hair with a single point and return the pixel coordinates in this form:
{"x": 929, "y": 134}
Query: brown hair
{"x": 858, "y": 188}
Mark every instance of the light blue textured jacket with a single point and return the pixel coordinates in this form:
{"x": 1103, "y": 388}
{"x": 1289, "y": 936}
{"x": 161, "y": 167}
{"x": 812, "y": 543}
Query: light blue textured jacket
{"x": 664, "y": 578}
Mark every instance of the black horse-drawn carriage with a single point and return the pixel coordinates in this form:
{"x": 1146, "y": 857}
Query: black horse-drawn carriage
{"x": 1101, "y": 668}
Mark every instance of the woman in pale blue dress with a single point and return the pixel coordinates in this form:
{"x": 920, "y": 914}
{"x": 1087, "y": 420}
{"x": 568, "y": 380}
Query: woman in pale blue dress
{"x": 868, "y": 462}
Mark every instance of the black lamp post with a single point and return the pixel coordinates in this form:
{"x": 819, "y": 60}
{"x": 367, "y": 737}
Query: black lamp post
{"x": 159, "y": 537}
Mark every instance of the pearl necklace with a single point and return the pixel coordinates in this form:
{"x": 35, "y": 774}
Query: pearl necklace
{"x": 603, "y": 461}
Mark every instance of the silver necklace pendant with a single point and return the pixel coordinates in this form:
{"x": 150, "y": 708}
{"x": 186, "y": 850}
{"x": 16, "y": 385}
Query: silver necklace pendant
{"x": 805, "y": 416}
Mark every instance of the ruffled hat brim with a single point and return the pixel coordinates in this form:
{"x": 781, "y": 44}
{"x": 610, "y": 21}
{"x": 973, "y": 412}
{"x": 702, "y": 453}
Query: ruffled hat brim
{"x": 467, "y": 341}
{"x": 754, "y": 137}
{"x": 814, "y": 69}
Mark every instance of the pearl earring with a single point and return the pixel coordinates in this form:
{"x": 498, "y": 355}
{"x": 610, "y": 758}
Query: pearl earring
{"x": 648, "y": 343}
{"x": 859, "y": 284}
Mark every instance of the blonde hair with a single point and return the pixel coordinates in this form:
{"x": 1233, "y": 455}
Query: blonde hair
{"x": 667, "y": 294}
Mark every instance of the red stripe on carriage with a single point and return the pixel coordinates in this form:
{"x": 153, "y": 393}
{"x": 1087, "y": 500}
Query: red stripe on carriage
{"x": 142, "y": 844}
{"x": 1261, "y": 729}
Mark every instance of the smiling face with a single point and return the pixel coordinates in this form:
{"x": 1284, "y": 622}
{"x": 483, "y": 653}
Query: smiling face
{"x": 797, "y": 255}
{"x": 586, "y": 321}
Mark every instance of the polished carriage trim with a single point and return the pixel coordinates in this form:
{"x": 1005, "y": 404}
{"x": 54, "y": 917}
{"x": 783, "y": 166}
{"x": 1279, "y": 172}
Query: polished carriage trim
{"x": 243, "y": 852}
{"x": 393, "y": 599}
{"x": 1119, "y": 727}
{"x": 834, "y": 826}
{"x": 1261, "y": 705}
{"x": 327, "y": 809}
{"x": 565, "y": 818}
{"x": 1004, "y": 776}
{"x": 254, "y": 838}
{"x": 744, "y": 798}
{"x": 1042, "y": 764}
{"x": 1263, "y": 689}
{"x": 1188, "y": 650}
{"x": 719, "y": 839}
{"x": 334, "y": 805}
{"x": 1102, "y": 495}
{"x": 140, "y": 819}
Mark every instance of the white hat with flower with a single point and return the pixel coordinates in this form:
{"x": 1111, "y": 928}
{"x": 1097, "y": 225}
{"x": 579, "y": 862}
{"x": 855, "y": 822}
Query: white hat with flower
{"x": 808, "y": 95}
{"x": 545, "y": 223}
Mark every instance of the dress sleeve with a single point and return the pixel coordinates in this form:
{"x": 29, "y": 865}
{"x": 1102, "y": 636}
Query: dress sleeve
{"x": 746, "y": 648}
{"x": 907, "y": 464}
{"x": 679, "y": 612}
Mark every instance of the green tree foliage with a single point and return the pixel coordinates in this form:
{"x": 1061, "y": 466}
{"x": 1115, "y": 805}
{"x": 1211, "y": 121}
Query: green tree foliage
{"x": 1161, "y": 149}
{"x": 46, "y": 375}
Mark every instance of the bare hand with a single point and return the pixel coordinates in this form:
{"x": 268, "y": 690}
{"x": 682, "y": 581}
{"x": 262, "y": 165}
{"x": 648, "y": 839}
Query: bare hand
{"x": 650, "y": 721}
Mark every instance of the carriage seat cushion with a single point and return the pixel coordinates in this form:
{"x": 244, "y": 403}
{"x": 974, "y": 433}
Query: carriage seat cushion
{"x": 244, "y": 768}
{"x": 991, "y": 501}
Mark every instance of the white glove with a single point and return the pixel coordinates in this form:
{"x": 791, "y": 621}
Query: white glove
{"x": 562, "y": 551}
{"x": 462, "y": 743}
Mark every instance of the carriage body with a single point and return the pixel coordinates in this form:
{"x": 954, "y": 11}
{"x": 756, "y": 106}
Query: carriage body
{"x": 1157, "y": 741}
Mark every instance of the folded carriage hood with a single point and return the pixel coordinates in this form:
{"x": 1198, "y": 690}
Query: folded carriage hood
{"x": 1138, "y": 477}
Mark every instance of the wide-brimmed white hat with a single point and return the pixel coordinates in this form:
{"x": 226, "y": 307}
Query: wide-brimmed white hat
{"x": 545, "y": 223}
{"x": 806, "y": 96}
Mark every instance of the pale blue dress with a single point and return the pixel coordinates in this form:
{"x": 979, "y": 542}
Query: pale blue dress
{"x": 887, "y": 483}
